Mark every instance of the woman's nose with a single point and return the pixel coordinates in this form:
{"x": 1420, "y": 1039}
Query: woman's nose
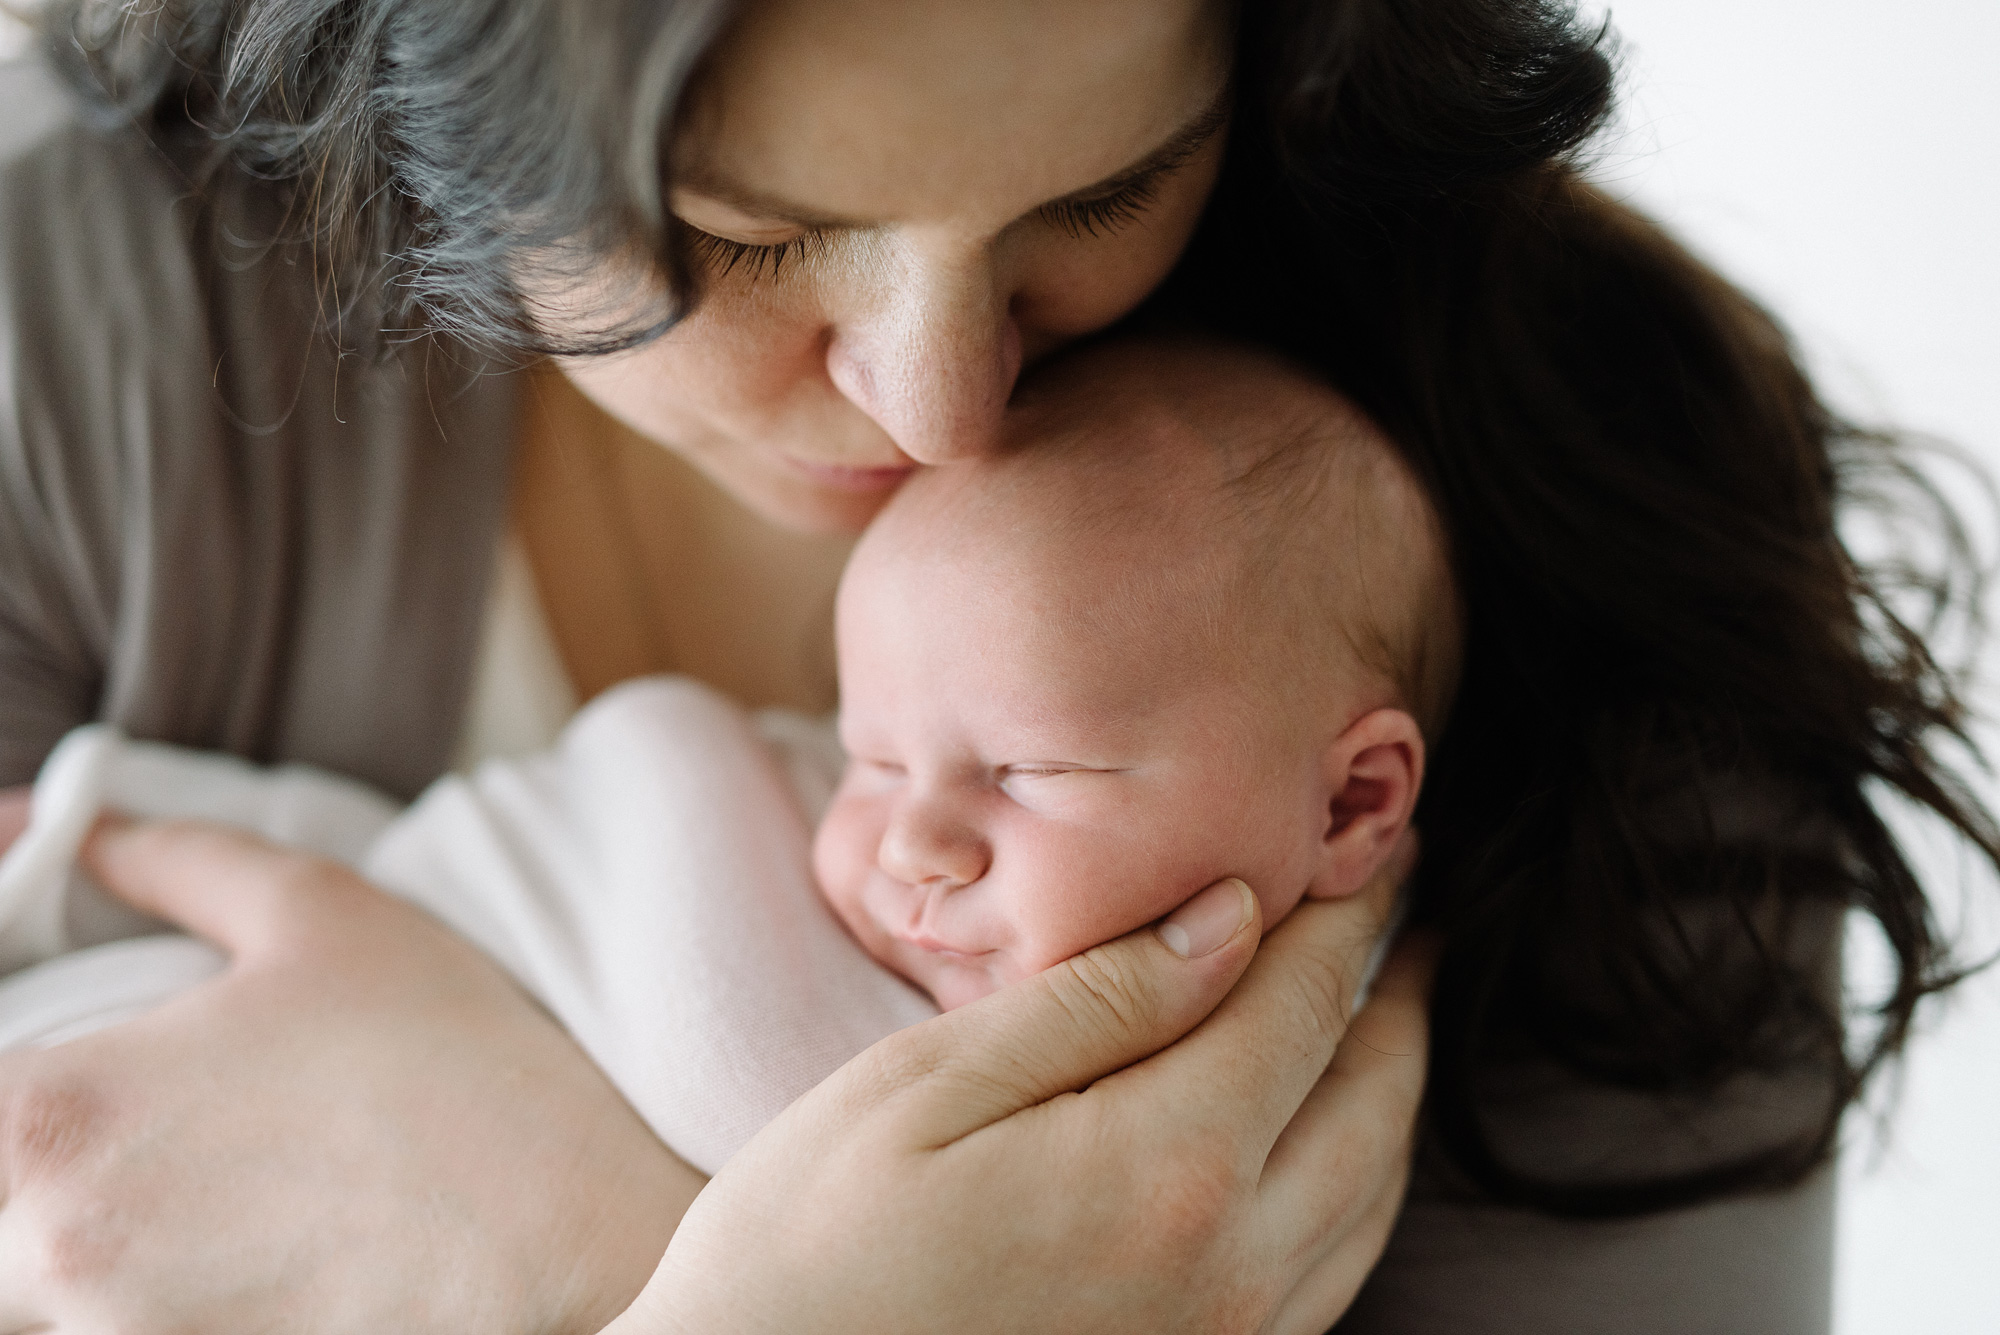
{"x": 925, "y": 843}
{"x": 933, "y": 357}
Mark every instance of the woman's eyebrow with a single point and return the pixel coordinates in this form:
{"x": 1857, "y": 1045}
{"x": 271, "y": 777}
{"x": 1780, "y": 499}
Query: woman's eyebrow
{"x": 1183, "y": 144}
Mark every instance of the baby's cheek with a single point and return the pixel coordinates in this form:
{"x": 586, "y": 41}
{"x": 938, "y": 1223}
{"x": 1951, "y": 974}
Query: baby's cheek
{"x": 1277, "y": 904}
{"x": 1074, "y": 918}
{"x": 843, "y": 853}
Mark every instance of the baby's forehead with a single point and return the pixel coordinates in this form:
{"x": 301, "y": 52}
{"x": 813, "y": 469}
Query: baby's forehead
{"x": 1125, "y": 508}
{"x": 1170, "y": 406}
{"x": 1132, "y": 436}
{"x": 1055, "y": 533}
{"x": 1191, "y": 452}
{"x": 1184, "y": 494}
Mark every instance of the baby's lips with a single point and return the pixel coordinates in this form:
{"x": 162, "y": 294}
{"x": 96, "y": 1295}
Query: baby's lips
{"x": 1209, "y": 920}
{"x": 936, "y": 946}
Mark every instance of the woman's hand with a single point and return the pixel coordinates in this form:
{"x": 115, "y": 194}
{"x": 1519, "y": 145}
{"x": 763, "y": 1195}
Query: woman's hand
{"x": 16, "y": 805}
{"x": 1007, "y": 1166}
{"x": 363, "y": 1126}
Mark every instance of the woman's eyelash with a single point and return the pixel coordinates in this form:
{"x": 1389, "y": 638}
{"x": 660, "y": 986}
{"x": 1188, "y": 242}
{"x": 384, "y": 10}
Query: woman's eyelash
{"x": 725, "y": 256}
{"x": 1135, "y": 194}
{"x": 1080, "y": 218}
{"x": 1106, "y": 213}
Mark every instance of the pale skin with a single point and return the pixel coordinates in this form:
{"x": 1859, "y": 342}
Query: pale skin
{"x": 178, "y": 1174}
{"x": 1022, "y": 719}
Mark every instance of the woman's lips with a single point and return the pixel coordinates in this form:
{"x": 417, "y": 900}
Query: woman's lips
{"x": 846, "y": 477}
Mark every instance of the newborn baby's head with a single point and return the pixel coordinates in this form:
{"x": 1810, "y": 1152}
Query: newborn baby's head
{"x": 1193, "y": 621}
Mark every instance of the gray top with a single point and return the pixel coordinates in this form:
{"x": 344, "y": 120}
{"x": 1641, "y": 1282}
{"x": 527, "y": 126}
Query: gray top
{"x": 213, "y": 530}
{"x": 216, "y": 532}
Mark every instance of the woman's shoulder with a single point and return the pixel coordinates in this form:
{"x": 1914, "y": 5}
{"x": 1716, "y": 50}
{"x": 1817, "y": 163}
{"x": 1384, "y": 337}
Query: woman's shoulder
{"x": 159, "y": 315}
{"x": 35, "y": 108}
{"x": 86, "y": 210}
{"x": 130, "y": 261}
{"x": 84, "y": 265}
{"x": 105, "y": 345}
{"x": 105, "y": 298}
{"x": 216, "y": 523}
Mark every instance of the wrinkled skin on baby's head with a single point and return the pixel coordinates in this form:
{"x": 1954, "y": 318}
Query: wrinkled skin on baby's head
{"x": 1173, "y": 632}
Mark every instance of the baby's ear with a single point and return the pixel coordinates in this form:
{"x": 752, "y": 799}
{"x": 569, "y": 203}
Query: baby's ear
{"x": 1373, "y": 772}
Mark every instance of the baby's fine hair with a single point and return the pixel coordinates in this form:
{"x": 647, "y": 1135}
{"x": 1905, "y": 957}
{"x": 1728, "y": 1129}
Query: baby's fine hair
{"x": 1316, "y": 545}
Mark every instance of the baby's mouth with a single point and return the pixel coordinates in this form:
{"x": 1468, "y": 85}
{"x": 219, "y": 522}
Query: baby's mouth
{"x": 926, "y": 942}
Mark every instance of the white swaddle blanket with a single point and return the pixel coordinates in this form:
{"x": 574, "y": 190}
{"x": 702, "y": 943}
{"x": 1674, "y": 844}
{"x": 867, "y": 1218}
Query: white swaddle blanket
{"x": 648, "y": 880}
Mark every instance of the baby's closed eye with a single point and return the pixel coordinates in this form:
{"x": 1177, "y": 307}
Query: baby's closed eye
{"x": 1044, "y": 769}
{"x": 869, "y": 775}
{"x": 1039, "y": 782}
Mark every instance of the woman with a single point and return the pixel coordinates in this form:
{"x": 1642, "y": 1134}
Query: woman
{"x": 864, "y": 218}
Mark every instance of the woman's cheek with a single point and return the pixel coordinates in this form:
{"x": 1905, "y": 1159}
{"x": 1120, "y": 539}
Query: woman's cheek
{"x": 738, "y": 357}
{"x": 744, "y": 354}
{"x": 1077, "y": 291}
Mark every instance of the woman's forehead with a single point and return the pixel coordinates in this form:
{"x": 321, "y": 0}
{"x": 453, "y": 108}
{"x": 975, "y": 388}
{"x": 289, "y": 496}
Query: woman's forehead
{"x": 910, "y": 110}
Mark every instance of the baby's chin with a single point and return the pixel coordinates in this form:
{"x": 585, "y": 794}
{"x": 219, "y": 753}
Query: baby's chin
{"x": 952, "y": 983}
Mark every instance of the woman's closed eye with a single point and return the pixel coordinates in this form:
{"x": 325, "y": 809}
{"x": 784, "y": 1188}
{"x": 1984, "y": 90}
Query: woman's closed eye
{"x": 1099, "y": 210}
{"x": 1094, "y": 216}
{"x": 1112, "y": 204}
{"x": 724, "y": 256}
{"x": 1102, "y": 214}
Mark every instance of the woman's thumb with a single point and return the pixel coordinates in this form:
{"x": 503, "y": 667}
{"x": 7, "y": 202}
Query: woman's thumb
{"x": 1077, "y": 1022}
{"x": 232, "y": 888}
{"x": 17, "y": 805}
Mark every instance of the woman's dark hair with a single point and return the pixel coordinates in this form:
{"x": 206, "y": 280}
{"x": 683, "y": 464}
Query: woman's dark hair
{"x": 423, "y": 147}
{"x": 1653, "y": 807}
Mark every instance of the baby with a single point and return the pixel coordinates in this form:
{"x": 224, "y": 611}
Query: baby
{"x": 1193, "y": 621}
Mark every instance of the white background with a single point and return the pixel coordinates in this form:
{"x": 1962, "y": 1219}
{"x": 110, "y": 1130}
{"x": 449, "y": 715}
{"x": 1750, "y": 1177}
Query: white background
{"x": 1841, "y": 158}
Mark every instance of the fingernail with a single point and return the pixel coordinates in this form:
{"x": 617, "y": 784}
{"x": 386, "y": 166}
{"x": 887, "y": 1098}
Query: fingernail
{"x": 1206, "y": 921}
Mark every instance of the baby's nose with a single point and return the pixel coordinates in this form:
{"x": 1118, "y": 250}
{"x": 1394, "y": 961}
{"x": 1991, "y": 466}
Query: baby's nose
{"x": 925, "y": 844}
